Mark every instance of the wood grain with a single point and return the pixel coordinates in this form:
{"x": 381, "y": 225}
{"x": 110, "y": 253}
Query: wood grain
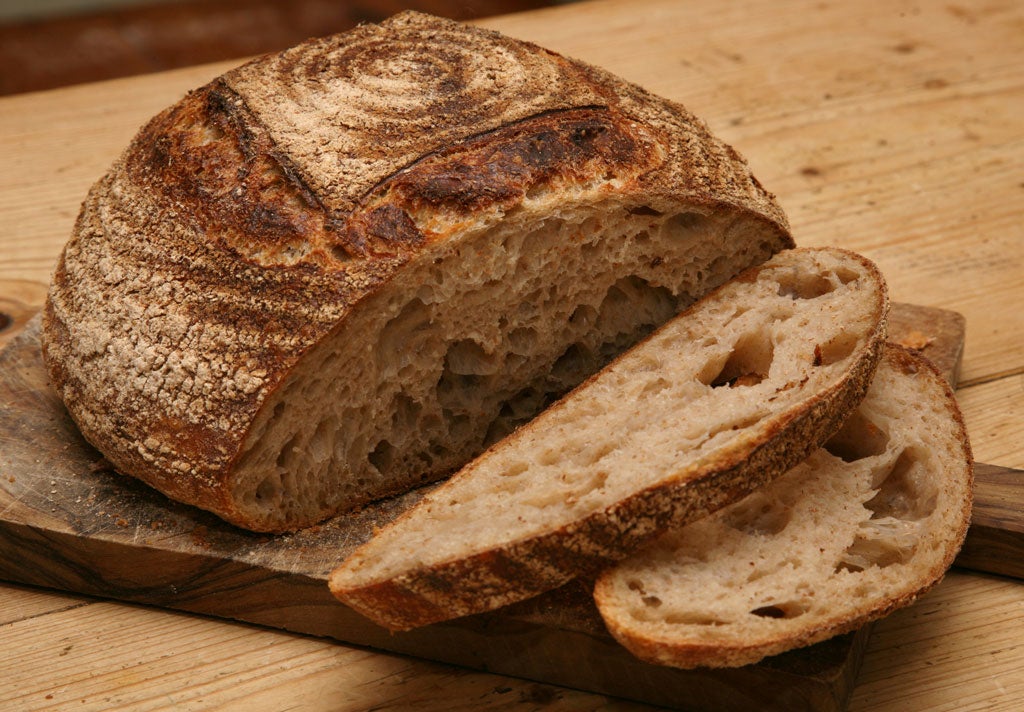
{"x": 959, "y": 648}
{"x": 994, "y": 412}
{"x": 997, "y": 523}
{"x": 96, "y": 661}
{"x": 892, "y": 128}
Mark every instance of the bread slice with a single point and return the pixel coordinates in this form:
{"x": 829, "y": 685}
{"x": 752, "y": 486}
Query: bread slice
{"x": 737, "y": 389}
{"x": 862, "y": 527}
{"x": 340, "y": 271}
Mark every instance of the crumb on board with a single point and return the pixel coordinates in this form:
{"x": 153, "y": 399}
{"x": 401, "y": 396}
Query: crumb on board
{"x": 916, "y": 340}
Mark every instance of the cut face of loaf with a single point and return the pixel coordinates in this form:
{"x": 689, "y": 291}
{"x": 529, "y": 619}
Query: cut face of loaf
{"x": 731, "y": 393}
{"x": 471, "y": 344}
{"x": 862, "y": 527}
{"x": 338, "y": 272}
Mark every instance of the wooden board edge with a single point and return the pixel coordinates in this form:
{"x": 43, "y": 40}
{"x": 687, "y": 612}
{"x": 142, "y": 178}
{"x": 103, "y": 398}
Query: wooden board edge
{"x": 491, "y": 643}
{"x": 995, "y": 539}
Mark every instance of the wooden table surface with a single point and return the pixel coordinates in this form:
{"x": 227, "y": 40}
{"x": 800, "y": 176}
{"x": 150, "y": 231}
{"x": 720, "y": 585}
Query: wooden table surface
{"x": 892, "y": 128}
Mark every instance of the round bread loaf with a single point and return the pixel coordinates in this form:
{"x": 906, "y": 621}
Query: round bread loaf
{"x": 339, "y": 271}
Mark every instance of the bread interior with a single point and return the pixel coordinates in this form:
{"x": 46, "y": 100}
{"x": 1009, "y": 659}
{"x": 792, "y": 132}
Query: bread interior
{"x": 475, "y": 339}
{"x": 860, "y": 527}
{"x": 704, "y": 391}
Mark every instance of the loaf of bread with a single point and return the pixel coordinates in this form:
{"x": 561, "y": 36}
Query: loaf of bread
{"x": 733, "y": 392}
{"x": 862, "y": 527}
{"x": 340, "y": 271}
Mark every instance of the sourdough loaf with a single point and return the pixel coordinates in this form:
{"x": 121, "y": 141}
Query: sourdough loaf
{"x": 731, "y": 393}
{"x": 862, "y": 527}
{"x": 339, "y": 271}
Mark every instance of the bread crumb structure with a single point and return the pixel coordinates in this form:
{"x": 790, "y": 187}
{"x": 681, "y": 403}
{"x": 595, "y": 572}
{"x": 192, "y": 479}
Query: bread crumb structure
{"x": 865, "y": 525}
{"x": 343, "y": 270}
{"x": 720, "y": 400}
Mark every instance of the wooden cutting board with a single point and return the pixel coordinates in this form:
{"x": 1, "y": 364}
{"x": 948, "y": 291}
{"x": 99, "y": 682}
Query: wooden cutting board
{"x": 68, "y": 522}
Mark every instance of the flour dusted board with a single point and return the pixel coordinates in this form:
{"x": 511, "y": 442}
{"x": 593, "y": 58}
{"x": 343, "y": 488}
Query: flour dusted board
{"x": 68, "y": 522}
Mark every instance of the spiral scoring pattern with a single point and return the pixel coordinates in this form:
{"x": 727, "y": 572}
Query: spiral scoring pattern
{"x": 353, "y": 109}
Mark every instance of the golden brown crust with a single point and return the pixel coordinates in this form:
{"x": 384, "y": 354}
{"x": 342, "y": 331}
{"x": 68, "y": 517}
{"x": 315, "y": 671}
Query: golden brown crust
{"x": 244, "y": 223}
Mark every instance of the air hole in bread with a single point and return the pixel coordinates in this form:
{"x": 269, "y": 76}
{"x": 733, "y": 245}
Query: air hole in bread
{"x": 521, "y": 340}
{"x": 631, "y": 301}
{"x": 846, "y": 275}
{"x": 530, "y": 250}
{"x": 584, "y": 315}
{"x": 393, "y": 339}
{"x": 321, "y": 444}
{"x": 549, "y": 457}
{"x": 405, "y": 412}
{"x": 857, "y": 439}
{"x": 651, "y": 601}
{"x": 758, "y": 515}
{"x": 515, "y": 469}
{"x": 596, "y": 454}
{"x": 787, "y": 609}
{"x": 596, "y": 482}
{"x": 537, "y": 190}
{"x": 881, "y": 542}
{"x": 799, "y": 285}
{"x": 460, "y": 425}
{"x": 382, "y": 456}
{"x": 654, "y": 387}
{"x": 455, "y": 390}
{"x": 898, "y": 510}
{"x": 729, "y": 426}
{"x": 758, "y": 573}
{"x": 692, "y": 618}
{"x": 269, "y": 490}
{"x": 523, "y": 404}
{"x": 746, "y": 365}
{"x": 644, "y": 210}
{"x": 288, "y": 453}
{"x": 271, "y": 175}
{"x": 467, "y": 357}
{"x": 900, "y": 494}
{"x": 835, "y": 350}
{"x": 635, "y": 585}
{"x": 679, "y": 225}
{"x": 573, "y": 361}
